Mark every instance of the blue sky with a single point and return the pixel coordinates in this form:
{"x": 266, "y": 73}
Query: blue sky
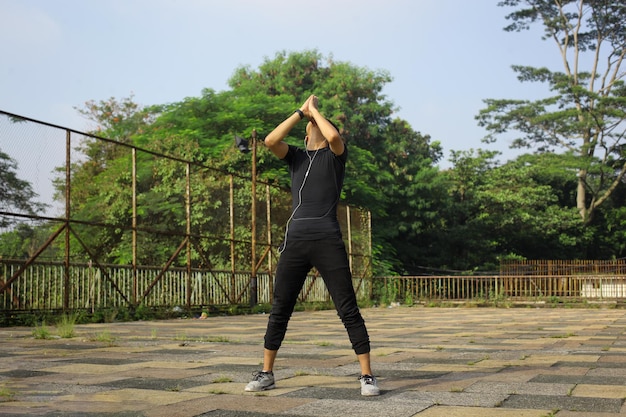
{"x": 445, "y": 56}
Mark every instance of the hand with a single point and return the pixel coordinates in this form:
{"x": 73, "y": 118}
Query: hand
{"x": 309, "y": 104}
{"x": 305, "y": 106}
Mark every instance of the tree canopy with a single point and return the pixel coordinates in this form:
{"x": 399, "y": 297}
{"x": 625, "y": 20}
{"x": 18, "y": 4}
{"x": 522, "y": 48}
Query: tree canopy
{"x": 585, "y": 116}
{"x": 16, "y": 195}
{"x": 465, "y": 219}
{"x": 389, "y": 164}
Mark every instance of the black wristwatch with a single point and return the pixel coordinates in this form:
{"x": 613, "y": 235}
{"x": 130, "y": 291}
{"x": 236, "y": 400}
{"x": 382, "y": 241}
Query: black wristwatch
{"x": 299, "y": 113}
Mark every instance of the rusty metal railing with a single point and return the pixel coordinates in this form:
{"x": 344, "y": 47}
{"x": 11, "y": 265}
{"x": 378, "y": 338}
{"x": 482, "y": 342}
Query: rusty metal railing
{"x": 516, "y": 288}
{"x": 206, "y": 264}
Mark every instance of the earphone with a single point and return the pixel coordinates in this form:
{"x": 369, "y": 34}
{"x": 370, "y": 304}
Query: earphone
{"x": 281, "y": 248}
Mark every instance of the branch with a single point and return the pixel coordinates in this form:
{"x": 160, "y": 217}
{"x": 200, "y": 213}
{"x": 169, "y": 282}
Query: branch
{"x": 562, "y": 45}
{"x": 616, "y": 182}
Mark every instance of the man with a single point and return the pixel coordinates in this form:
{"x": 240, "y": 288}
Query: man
{"x": 313, "y": 239}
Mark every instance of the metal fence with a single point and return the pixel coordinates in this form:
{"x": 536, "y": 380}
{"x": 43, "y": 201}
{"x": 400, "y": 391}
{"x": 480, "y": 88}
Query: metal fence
{"x": 222, "y": 238}
{"x": 44, "y": 286}
{"x": 227, "y": 260}
{"x": 518, "y": 280}
{"x": 511, "y": 288}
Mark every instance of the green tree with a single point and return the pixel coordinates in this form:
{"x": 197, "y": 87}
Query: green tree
{"x": 23, "y": 240}
{"x": 517, "y": 210}
{"x": 16, "y": 195}
{"x": 390, "y": 168}
{"x": 585, "y": 116}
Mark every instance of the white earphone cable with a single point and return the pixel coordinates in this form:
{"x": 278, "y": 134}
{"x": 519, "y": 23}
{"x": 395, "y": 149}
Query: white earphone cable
{"x": 293, "y": 213}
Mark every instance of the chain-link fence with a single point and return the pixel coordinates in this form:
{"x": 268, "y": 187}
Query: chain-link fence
{"x": 138, "y": 227}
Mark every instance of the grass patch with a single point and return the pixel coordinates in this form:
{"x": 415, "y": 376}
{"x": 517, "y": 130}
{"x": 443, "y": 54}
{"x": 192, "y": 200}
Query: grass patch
{"x": 217, "y": 391}
{"x": 217, "y": 339}
{"x": 103, "y": 337}
{"x": 66, "y": 326}
{"x": 563, "y": 336}
{"x": 181, "y": 337}
{"x": 6, "y": 394}
{"x": 222, "y": 380}
{"x": 42, "y": 332}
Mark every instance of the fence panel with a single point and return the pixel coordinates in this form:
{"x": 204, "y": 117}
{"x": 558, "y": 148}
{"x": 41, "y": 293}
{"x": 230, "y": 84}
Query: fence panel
{"x": 40, "y": 287}
{"x": 515, "y": 288}
{"x": 216, "y": 242}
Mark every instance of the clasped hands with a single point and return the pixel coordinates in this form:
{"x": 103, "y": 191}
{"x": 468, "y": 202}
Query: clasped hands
{"x": 309, "y": 105}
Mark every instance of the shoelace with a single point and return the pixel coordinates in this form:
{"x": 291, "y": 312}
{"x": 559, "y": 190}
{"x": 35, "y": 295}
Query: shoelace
{"x": 259, "y": 375}
{"x": 368, "y": 379}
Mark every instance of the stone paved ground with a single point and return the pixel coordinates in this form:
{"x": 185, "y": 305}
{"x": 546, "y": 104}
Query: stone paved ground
{"x": 465, "y": 362}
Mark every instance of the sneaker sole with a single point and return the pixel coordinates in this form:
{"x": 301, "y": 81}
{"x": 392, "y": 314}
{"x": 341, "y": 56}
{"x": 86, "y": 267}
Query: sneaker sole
{"x": 260, "y": 389}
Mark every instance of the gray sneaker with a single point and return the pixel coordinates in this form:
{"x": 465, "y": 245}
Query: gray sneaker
{"x": 262, "y": 381}
{"x": 369, "y": 386}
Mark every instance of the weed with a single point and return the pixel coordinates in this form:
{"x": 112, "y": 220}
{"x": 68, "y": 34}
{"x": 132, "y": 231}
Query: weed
{"x": 217, "y": 391}
{"x": 408, "y": 299}
{"x": 563, "y": 336}
{"x": 217, "y": 339}
{"x": 41, "y": 332}
{"x": 65, "y": 326}
{"x": 390, "y": 293}
{"x": 104, "y": 336}
{"x": 6, "y": 394}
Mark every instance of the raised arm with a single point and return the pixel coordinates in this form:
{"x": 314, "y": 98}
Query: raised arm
{"x": 274, "y": 141}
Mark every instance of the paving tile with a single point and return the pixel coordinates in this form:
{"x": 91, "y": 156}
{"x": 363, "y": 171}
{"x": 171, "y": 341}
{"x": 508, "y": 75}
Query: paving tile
{"x": 469, "y": 399}
{"x": 599, "y": 391}
{"x": 567, "y": 413}
{"x": 362, "y": 408}
{"x": 443, "y": 411}
{"x": 580, "y": 379}
{"x": 430, "y": 362}
{"x": 564, "y": 403}
{"x": 527, "y": 388}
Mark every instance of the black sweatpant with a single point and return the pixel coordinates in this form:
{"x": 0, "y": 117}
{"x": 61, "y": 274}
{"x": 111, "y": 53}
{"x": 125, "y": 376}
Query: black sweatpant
{"x": 330, "y": 258}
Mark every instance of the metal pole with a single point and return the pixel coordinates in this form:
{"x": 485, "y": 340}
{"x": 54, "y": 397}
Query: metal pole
{"x": 68, "y": 190}
{"x": 268, "y": 209}
{"x": 188, "y": 231}
{"x": 253, "y": 277}
{"x": 349, "y": 230}
{"x": 134, "y": 225}
{"x": 233, "y": 283}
